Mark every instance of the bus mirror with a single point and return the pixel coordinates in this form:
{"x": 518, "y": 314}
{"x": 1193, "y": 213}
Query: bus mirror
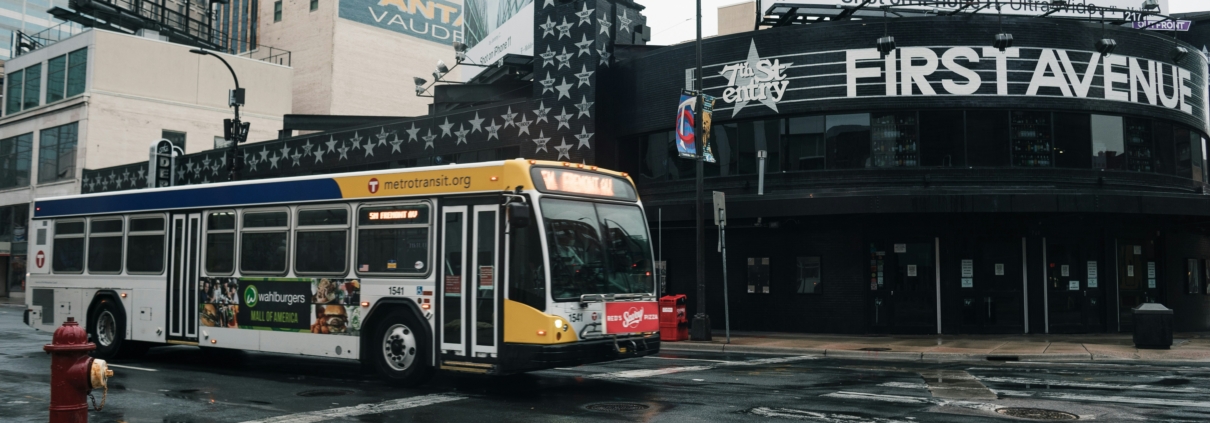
{"x": 518, "y": 215}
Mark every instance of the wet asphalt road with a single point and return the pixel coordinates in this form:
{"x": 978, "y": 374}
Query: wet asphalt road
{"x": 186, "y": 384}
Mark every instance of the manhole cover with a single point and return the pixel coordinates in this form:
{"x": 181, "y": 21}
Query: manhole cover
{"x": 875, "y": 349}
{"x": 616, "y": 407}
{"x": 1036, "y": 414}
{"x": 324, "y": 393}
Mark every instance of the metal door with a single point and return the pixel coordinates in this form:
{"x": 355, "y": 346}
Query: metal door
{"x": 1137, "y": 281}
{"x": 183, "y": 277}
{"x": 992, "y": 296}
{"x": 904, "y": 287}
{"x": 1074, "y": 283}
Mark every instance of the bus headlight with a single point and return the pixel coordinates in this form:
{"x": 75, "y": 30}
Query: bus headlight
{"x": 558, "y": 323}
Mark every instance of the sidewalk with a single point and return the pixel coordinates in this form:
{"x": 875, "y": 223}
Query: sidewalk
{"x": 1191, "y": 347}
{"x": 12, "y": 302}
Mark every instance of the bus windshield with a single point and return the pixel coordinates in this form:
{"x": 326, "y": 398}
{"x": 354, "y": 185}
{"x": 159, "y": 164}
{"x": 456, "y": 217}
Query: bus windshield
{"x": 597, "y": 248}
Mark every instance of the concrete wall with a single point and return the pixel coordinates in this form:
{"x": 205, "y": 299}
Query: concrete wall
{"x": 308, "y": 35}
{"x": 736, "y": 18}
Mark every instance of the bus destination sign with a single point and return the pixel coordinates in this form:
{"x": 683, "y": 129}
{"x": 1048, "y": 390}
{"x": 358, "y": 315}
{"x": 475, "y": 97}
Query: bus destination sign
{"x": 583, "y": 183}
{"x": 394, "y": 214}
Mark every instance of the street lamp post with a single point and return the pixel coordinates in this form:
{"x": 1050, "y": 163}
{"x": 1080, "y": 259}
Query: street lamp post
{"x": 233, "y": 129}
{"x": 700, "y": 330}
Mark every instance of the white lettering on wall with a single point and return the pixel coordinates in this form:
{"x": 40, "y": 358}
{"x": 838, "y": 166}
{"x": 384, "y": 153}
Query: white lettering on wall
{"x": 972, "y": 78}
{"x": 1001, "y": 65}
{"x": 1047, "y": 74}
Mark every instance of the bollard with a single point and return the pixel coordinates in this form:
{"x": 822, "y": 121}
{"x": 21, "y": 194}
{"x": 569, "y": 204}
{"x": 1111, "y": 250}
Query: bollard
{"x": 73, "y": 374}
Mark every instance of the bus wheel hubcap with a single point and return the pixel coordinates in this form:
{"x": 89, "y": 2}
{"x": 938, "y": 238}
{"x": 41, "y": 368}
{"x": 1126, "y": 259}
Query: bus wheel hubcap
{"x": 399, "y": 347}
{"x": 106, "y": 328}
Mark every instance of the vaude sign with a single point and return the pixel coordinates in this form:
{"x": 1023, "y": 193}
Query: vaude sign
{"x": 955, "y": 71}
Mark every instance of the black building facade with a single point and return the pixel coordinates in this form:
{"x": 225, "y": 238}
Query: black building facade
{"x": 947, "y": 186}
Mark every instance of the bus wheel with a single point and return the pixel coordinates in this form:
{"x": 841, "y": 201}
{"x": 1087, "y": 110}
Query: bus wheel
{"x": 400, "y": 353}
{"x": 107, "y": 330}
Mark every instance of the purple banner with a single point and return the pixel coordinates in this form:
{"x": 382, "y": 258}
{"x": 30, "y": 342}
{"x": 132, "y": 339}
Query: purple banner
{"x": 1163, "y": 26}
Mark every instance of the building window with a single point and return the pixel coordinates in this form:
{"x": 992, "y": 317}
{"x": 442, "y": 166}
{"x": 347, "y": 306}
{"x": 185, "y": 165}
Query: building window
{"x": 277, "y": 11}
{"x": 176, "y": 138}
{"x": 15, "y": 160}
{"x": 987, "y": 138}
{"x": 848, "y": 141}
{"x": 1108, "y": 144}
{"x": 808, "y": 275}
{"x": 803, "y": 146}
{"x": 77, "y": 70}
{"x": 314, "y": 5}
{"x": 220, "y": 142}
{"x": 57, "y": 153}
{"x": 944, "y": 131}
{"x": 1032, "y": 140}
{"x": 16, "y": 82}
{"x": 1193, "y": 278}
{"x": 56, "y": 79}
{"x": 33, "y": 87}
{"x": 1073, "y": 142}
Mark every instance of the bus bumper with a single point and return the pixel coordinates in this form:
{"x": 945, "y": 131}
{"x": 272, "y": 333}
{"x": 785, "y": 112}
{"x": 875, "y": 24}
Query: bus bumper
{"x": 515, "y": 358}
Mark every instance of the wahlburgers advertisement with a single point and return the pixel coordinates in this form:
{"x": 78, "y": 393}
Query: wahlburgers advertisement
{"x": 308, "y": 305}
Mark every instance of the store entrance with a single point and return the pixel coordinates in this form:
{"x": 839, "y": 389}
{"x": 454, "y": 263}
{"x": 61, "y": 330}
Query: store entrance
{"x": 1136, "y": 279}
{"x": 1074, "y": 280}
{"x": 991, "y": 286}
{"x": 903, "y": 287}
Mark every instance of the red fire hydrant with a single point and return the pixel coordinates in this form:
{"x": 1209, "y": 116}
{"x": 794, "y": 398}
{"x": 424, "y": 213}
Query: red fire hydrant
{"x": 73, "y": 374}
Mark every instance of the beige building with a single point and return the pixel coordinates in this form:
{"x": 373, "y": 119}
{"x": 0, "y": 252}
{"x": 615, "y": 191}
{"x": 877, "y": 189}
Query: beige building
{"x": 736, "y": 18}
{"x": 99, "y": 99}
{"x": 350, "y": 62}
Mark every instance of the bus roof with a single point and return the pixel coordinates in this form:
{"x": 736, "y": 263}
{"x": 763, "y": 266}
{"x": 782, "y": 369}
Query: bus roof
{"x": 432, "y": 180}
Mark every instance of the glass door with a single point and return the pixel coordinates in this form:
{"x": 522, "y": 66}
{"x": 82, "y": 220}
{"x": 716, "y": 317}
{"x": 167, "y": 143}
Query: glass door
{"x": 453, "y": 279}
{"x": 1074, "y": 281}
{"x": 470, "y": 314}
{"x": 904, "y": 287}
{"x": 992, "y": 287}
{"x": 484, "y": 262}
{"x": 1137, "y": 279}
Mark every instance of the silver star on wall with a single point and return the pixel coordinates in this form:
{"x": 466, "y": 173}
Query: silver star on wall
{"x": 331, "y": 144}
{"x": 509, "y": 118}
{"x": 584, "y": 76}
{"x": 344, "y": 153}
{"x": 369, "y": 148}
{"x": 428, "y": 139}
{"x": 541, "y": 112}
{"x": 624, "y": 22}
{"x": 285, "y": 150}
{"x": 585, "y": 46}
{"x": 461, "y": 133}
{"x": 564, "y": 59}
{"x": 295, "y": 157}
{"x": 306, "y": 148}
{"x": 585, "y": 107}
{"x": 548, "y": 3}
{"x": 476, "y": 123}
{"x": 564, "y": 89}
{"x": 541, "y": 141}
{"x": 564, "y": 29}
{"x": 382, "y": 136}
{"x": 523, "y": 125}
{"x": 395, "y": 145}
{"x": 273, "y": 161}
{"x": 493, "y": 130}
{"x": 563, "y": 119}
{"x": 585, "y": 15}
{"x": 411, "y": 134}
{"x": 548, "y": 28}
{"x": 548, "y": 57}
{"x": 356, "y": 140}
{"x": 564, "y": 150}
{"x": 548, "y": 84}
{"x": 605, "y": 23}
{"x": 583, "y": 137}
{"x": 604, "y": 56}
{"x": 445, "y": 128}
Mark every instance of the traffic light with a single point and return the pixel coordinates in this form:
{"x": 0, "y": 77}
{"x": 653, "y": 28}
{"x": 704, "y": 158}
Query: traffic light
{"x": 228, "y": 130}
{"x": 243, "y": 131}
{"x": 235, "y": 131}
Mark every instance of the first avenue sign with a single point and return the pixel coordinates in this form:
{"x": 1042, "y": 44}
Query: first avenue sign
{"x": 956, "y": 71}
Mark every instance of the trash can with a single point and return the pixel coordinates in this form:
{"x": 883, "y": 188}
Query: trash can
{"x": 674, "y": 325}
{"x": 1152, "y": 326}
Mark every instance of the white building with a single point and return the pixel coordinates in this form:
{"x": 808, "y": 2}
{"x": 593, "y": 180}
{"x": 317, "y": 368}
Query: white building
{"x": 99, "y": 99}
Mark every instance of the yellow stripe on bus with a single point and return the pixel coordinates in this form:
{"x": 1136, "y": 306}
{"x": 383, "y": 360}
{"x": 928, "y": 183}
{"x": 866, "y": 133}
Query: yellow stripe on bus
{"x": 440, "y": 180}
{"x": 522, "y": 324}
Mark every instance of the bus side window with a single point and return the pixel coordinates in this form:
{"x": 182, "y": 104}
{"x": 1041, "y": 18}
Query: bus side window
{"x": 220, "y": 243}
{"x": 321, "y": 242}
{"x": 393, "y": 239}
{"x": 69, "y": 247}
{"x": 145, "y": 245}
{"x": 105, "y": 245}
{"x": 527, "y": 276}
{"x": 263, "y": 242}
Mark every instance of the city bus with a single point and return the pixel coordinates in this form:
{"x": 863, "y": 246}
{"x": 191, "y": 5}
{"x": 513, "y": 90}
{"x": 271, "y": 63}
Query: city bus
{"x": 492, "y": 268}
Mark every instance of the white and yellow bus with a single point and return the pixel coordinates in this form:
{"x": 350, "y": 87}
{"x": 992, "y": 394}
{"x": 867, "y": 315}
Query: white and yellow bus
{"x": 495, "y": 268}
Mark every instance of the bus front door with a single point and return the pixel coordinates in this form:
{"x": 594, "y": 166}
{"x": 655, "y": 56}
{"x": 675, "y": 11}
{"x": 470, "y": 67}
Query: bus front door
{"x": 470, "y": 315}
{"x": 183, "y": 278}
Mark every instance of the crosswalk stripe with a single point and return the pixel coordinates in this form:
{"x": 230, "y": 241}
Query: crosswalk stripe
{"x": 1108, "y": 398}
{"x": 1094, "y": 385}
{"x": 790, "y": 413}
{"x": 642, "y": 373}
{"x": 361, "y": 410}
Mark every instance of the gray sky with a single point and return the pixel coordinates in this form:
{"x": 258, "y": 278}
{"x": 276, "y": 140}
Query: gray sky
{"x": 671, "y": 21}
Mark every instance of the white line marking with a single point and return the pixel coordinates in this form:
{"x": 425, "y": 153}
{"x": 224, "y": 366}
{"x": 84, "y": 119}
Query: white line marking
{"x": 1110, "y": 398}
{"x": 361, "y": 410}
{"x": 905, "y": 385}
{"x": 901, "y": 399}
{"x": 687, "y": 359}
{"x": 790, "y": 413}
{"x": 642, "y": 373}
{"x": 1094, "y": 385}
{"x": 131, "y": 367}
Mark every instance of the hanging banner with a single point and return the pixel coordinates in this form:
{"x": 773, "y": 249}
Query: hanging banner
{"x": 707, "y": 118}
{"x": 686, "y": 144}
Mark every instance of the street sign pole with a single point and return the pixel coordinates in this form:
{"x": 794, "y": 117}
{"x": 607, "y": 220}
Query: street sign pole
{"x": 700, "y": 330}
{"x": 720, "y": 219}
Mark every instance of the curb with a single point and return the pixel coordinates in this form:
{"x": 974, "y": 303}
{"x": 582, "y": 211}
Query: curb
{"x": 875, "y": 355}
{"x": 889, "y": 355}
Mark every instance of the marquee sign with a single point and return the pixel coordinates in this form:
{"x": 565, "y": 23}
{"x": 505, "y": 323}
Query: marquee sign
{"x": 438, "y": 21}
{"x": 955, "y": 71}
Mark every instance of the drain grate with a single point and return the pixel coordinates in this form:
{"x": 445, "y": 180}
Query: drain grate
{"x": 616, "y": 407}
{"x": 875, "y": 349}
{"x": 324, "y": 393}
{"x": 1036, "y": 414}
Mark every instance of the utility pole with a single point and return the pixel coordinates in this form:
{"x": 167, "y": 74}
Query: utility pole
{"x": 233, "y": 129}
{"x": 700, "y": 330}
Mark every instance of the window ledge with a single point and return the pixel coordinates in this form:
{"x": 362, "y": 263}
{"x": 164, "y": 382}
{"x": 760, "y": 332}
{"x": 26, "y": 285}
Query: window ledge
{"x": 57, "y": 183}
{"x": 44, "y": 108}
